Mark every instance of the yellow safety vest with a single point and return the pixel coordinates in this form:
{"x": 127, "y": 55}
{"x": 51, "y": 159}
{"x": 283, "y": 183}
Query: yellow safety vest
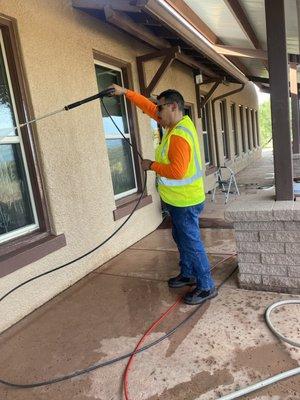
{"x": 189, "y": 190}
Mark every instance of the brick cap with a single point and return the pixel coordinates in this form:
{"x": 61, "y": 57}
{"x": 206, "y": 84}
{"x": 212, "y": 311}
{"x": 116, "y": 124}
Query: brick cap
{"x": 262, "y": 207}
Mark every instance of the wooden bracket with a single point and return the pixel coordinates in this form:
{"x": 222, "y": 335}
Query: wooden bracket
{"x": 201, "y": 103}
{"x": 168, "y": 54}
{"x": 210, "y": 93}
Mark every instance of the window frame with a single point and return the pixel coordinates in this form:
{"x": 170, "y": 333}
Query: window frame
{"x": 257, "y": 128}
{"x": 17, "y": 140}
{"x": 125, "y": 205}
{"x": 234, "y": 130}
{"x": 23, "y": 249}
{"x": 247, "y": 110}
{"x": 242, "y": 124}
{"x": 205, "y": 112}
{"x": 224, "y": 130}
{"x": 253, "y": 128}
{"x": 119, "y": 136}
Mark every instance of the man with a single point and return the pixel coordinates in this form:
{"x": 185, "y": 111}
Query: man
{"x": 180, "y": 185}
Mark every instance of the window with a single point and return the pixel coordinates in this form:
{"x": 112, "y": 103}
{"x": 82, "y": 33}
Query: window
{"x": 120, "y": 154}
{"x": 156, "y": 132}
{"x": 234, "y": 130}
{"x": 25, "y": 234}
{"x": 224, "y": 129}
{"x": 257, "y": 129}
{"x": 253, "y": 129}
{"x": 248, "y": 129}
{"x": 206, "y": 130}
{"x": 18, "y": 214}
{"x": 242, "y": 129}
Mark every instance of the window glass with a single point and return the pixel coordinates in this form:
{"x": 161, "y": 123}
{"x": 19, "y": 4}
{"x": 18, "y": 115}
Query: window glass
{"x": 121, "y": 167}
{"x": 234, "y": 130}
{"x": 223, "y": 130}
{"x": 119, "y": 151}
{"x": 253, "y": 129}
{"x": 115, "y": 104}
{"x": 206, "y": 134}
{"x": 17, "y": 208}
{"x": 7, "y": 120}
{"x": 248, "y": 129}
{"x": 242, "y": 129}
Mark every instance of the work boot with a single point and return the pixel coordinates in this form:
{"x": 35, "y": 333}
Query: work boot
{"x": 180, "y": 281}
{"x": 198, "y": 296}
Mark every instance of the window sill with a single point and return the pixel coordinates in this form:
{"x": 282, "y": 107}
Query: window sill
{"x": 210, "y": 170}
{"x": 124, "y": 209}
{"x": 28, "y": 249}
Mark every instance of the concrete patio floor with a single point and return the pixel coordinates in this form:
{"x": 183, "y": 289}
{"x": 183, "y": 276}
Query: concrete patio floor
{"x": 226, "y": 345}
{"x": 257, "y": 177}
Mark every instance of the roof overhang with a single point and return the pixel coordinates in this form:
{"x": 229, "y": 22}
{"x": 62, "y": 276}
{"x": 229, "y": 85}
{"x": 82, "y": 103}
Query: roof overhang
{"x": 170, "y": 17}
{"x": 196, "y": 51}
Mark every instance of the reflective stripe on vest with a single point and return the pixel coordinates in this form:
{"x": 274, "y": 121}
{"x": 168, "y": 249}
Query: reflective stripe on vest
{"x": 186, "y": 181}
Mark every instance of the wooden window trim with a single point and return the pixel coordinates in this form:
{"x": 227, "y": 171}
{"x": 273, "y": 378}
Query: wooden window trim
{"x": 243, "y": 128}
{"x": 207, "y": 110}
{"x": 18, "y": 252}
{"x": 223, "y": 103}
{"x": 125, "y": 205}
{"x": 28, "y": 249}
{"x": 234, "y": 130}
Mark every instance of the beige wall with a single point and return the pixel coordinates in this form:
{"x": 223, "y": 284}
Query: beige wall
{"x": 57, "y": 43}
{"x": 248, "y": 98}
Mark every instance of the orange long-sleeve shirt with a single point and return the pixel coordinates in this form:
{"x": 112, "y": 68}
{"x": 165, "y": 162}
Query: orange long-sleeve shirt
{"x": 179, "y": 149}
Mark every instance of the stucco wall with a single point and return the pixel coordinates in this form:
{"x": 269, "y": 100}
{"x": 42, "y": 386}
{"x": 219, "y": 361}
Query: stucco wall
{"x": 247, "y": 98}
{"x": 57, "y": 43}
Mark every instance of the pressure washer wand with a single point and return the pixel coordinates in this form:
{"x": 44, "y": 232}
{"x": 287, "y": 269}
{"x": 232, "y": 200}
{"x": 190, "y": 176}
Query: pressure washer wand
{"x": 107, "y": 92}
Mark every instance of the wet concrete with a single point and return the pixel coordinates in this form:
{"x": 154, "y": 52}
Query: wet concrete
{"x": 225, "y": 345}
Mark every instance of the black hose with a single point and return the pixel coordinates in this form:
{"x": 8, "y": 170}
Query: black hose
{"x": 107, "y": 239}
{"x": 113, "y": 360}
{"x": 124, "y": 356}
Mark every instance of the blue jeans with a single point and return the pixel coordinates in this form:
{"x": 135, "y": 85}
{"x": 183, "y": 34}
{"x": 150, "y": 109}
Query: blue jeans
{"x": 186, "y": 234}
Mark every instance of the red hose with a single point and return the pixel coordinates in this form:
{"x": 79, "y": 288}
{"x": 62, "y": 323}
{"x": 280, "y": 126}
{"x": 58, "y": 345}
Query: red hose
{"x": 149, "y": 330}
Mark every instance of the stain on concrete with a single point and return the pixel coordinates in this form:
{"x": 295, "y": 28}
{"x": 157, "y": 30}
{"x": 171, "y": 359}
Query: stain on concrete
{"x": 261, "y": 362}
{"x": 199, "y": 384}
{"x": 182, "y": 333}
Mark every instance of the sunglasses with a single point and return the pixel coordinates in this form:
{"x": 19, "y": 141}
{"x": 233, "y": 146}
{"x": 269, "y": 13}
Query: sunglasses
{"x": 160, "y": 106}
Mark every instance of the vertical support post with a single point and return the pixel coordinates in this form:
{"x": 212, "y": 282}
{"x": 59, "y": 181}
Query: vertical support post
{"x": 295, "y": 107}
{"x": 279, "y": 85}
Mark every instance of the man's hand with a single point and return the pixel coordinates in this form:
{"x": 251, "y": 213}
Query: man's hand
{"x": 146, "y": 164}
{"x": 119, "y": 90}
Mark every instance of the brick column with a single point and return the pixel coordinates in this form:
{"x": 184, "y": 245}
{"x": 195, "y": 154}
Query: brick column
{"x": 268, "y": 242}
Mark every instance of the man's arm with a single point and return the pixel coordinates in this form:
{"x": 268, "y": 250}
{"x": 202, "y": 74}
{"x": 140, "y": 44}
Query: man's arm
{"x": 146, "y": 105}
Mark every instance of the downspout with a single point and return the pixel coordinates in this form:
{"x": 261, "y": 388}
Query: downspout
{"x": 214, "y": 116}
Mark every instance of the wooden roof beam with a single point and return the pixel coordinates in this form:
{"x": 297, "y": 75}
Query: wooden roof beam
{"x": 241, "y": 52}
{"x": 122, "y": 21}
{"x": 242, "y": 19}
{"x": 119, "y": 5}
{"x": 187, "y": 13}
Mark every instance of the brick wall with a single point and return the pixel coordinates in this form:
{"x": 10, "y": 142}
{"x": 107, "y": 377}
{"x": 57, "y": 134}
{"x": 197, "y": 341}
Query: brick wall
{"x": 269, "y": 255}
{"x": 268, "y": 242}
